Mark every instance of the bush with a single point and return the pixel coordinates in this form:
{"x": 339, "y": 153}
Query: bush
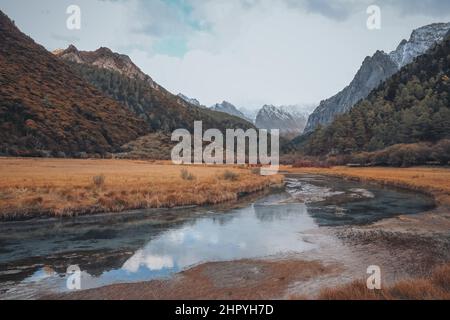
{"x": 407, "y": 155}
{"x": 230, "y": 175}
{"x": 186, "y": 175}
{"x": 310, "y": 164}
{"x": 99, "y": 181}
{"x": 363, "y": 158}
{"x": 441, "y": 152}
{"x": 404, "y": 155}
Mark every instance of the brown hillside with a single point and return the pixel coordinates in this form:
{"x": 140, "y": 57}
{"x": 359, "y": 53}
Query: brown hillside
{"x": 45, "y": 109}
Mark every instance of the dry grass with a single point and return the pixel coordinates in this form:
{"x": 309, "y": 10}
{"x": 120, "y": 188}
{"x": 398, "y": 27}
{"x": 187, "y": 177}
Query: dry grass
{"x": 30, "y": 187}
{"x": 436, "y": 287}
{"x": 434, "y": 181}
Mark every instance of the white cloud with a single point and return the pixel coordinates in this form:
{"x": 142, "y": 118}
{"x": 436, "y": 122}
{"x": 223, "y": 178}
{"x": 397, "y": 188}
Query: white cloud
{"x": 150, "y": 261}
{"x": 269, "y": 53}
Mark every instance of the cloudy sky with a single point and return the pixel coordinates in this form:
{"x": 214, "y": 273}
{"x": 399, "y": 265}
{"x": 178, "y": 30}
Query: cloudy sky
{"x": 249, "y": 52}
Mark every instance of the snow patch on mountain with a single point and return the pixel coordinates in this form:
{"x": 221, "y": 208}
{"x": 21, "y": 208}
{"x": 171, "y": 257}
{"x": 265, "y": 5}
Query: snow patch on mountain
{"x": 290, "y": 120}
{"x": 420, "y": 41}
{"x": 376, "y": 69}
{"x": 229, "y": 108}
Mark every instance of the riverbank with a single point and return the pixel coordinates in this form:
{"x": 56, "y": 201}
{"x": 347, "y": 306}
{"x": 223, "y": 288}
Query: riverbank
{"x": 432, "y": 181}
{"x": 342, "y": 256}
{"x": 426, "y": 230}
{"x": 32, "y": 188}
{"x": 266, "y": 280}
{"x": 231, "y": 280}
{"x": 434, "y": 287}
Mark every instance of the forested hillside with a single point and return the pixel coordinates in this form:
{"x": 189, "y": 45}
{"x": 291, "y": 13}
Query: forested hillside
{"x": 161, "y": 110}
{"x": 45, "y": 110}
{"x": 412, "y": 106}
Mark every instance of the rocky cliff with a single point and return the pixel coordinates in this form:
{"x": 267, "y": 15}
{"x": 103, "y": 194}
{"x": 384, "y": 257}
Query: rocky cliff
{"x": 374, "y": 71}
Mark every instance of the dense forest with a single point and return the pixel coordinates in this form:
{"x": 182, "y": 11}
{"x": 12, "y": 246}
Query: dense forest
{"x": 411, "y": 107}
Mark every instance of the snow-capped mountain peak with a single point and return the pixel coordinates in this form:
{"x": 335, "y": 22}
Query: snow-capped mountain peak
{"x": 420, "y": 41}
{"x": 376, "y": 69}
{"x": 290, "y": 120}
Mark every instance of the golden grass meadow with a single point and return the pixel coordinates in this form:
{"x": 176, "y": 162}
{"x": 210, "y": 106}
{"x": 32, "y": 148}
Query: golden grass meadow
{"x": 34, "y": 187}
{"x": 63, "y": 187}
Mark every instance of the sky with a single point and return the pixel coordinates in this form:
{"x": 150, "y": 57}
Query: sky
{"x": 247, "y": 52}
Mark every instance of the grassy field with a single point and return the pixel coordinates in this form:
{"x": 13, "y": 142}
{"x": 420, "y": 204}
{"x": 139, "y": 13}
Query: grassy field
{"x": 63, "y": 187}
{"x": 434, "y": 287}
{"x": 434, "y": 181}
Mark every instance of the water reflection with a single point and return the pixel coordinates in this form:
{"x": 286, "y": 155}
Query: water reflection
{"x": 251, "y": 232}
{"x": 127, "y": 248}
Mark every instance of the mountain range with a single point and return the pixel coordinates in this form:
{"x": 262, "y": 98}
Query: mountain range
{"x": 290, "y": 120}
{"x": 404, "y": 121}
{"x": 72, "y": 102}
{"x": 229, "y": 108}
{"x": 374, "y": 71}
{"x": 117, "y": 76}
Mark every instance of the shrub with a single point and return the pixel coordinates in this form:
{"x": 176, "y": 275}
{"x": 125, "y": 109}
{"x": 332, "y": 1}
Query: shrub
{"x": 230, "y": 175}
{"x": 99, "y": 181}
{"x": 400, "y": 155}
{"x": 186, "y": 175}
{"x": 363, "y": 158}
{"x": 441, "y": 152}
{"x": 406, "y": 155}
{"x": 310, "y": 164}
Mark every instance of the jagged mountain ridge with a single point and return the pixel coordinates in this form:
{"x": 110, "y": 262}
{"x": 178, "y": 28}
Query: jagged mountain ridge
{"x": 192, "y": 101}
{"x": 421, "y": 41}
{"x": 290, "y": 120}
{"x": 227, "y": 107}
{"x": 106, "y": 59}
{"x": 374, "y": 71}
{"x": 411, "y": 107}
{"x": 160, "y": 109}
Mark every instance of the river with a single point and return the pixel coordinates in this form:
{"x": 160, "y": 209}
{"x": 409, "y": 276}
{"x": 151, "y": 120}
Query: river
{"x": 155, "y": 244}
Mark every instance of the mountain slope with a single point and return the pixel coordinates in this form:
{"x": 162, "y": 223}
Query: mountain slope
{"x": 230, "y": 109}
{"x": 46, "y": 110}
{"x": 104, "y": 58}
{"x": 412, "y": 106}
{"x": 160, "y": 109}
{"x": 289, "y": 120}
{"x": 374, "y": 71}
{"x": 192, "y": 101}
